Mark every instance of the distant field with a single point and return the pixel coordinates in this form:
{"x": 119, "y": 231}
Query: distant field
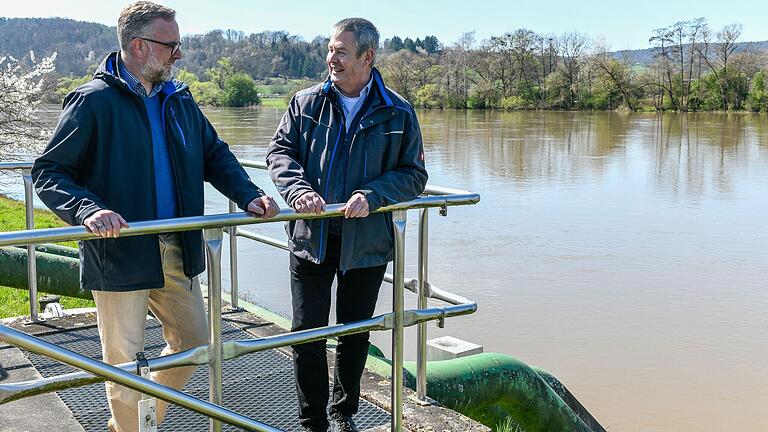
{"x": 274, "y": 102}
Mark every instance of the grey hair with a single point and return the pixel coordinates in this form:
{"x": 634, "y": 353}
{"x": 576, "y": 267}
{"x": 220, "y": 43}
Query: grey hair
{"x": 366, "y": 34}
{"x": 136, "y": 20}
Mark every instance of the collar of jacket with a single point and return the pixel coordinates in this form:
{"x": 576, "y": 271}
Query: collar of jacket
{"x": 109, "y": 72}
{"x": 381, "y": 102}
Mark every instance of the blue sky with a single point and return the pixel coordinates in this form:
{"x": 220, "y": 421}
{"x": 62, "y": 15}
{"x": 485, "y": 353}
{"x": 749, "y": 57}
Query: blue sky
{"x": 623, "y": 24}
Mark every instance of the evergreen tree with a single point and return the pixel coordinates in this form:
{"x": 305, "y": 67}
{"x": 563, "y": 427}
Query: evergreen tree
{"x": 431, "y": 44}
{"x": 409, "y": 44}
{"x": 396, "y": 44}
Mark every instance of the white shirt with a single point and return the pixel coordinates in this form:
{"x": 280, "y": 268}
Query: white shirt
{"x": 352, "y": 105}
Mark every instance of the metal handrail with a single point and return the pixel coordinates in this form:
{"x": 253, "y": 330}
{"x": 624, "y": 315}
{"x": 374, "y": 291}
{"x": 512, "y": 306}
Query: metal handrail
{"x": 216, "y": 352}
{"x": 54, "y": 235}
{"x": 199, "y": 356}
{"x": 15, "y": 165}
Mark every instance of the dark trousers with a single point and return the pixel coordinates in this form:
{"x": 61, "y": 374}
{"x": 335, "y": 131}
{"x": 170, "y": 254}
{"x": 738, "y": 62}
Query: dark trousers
{"x": 356, "y": 294}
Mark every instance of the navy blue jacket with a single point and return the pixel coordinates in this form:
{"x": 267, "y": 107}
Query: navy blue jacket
{"x": 100, "y": 157}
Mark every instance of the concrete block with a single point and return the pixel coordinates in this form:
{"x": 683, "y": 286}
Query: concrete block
{"x": 448, "y": 347}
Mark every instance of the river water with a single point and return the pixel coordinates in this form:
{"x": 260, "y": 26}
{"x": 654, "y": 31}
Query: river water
{"x": 623, "y": 253}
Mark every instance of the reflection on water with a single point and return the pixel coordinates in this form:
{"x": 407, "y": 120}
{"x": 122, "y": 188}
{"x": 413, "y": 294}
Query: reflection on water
{"x": 625, "y": 253}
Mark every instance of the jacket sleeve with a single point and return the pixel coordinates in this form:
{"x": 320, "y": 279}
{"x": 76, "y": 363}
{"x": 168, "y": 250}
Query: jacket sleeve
{"x": 57, "y": 172}
{"x": 283, "y": 157}
{"x": 408, "y": 180}
{"x": 223, "y": 171}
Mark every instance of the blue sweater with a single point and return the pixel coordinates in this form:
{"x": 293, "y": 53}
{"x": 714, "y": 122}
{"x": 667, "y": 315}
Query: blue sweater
{"x": 165, "y": 185}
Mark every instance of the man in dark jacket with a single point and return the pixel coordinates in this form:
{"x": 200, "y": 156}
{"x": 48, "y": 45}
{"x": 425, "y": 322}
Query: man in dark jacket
{"x": 132, "y": 145}
{"x": 348, "y": 140}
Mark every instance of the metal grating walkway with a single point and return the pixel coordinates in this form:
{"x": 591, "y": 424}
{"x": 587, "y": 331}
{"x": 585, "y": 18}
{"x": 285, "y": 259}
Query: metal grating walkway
{"x": 259, "y": 385}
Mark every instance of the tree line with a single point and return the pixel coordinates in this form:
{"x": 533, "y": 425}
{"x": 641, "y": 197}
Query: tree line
{"x": 693, "y": 68}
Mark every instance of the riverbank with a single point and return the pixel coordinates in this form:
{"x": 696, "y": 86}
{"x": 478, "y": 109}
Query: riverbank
{"x": 13, "y": 301}
{"x": 280, "y": 103}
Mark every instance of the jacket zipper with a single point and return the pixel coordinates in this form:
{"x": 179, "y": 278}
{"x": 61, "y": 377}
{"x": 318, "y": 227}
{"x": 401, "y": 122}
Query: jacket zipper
{"x": 330, "y": 169}
{"x": 174, "y": 164}
{"x": 325, "y": 193}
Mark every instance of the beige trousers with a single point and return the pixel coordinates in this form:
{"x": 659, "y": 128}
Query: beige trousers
{"x": 121, "y": 318}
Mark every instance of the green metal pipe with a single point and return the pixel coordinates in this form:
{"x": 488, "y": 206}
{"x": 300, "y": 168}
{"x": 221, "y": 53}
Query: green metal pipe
{"x": 478, "y": 382}
{"x": 489, "y": 387}
{"x": 54, "y": 249}
{"x": 56, "y": 274}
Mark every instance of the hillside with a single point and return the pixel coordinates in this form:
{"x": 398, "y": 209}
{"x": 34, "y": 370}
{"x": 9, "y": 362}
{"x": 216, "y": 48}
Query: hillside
{"x": 78, "y": 44}
{"x": 83, "y": 44}
{"x": 643, "y": 57}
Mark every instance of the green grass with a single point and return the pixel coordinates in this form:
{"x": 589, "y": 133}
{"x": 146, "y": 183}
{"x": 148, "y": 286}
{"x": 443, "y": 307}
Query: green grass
{"x": 507, "y": 425}
{"x": 274, "y": 103}
{"x": 13, "y": 301}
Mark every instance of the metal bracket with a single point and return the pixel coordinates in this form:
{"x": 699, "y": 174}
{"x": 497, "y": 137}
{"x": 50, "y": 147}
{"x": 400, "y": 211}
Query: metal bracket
{"x": 426, "y": 402}
{"x": 147, "y": 404}
{"x": 399, "y": 215}
{"x": 441, "y": 320}
{"x": 30, "y": 321}
{"x": 444, "y": 208}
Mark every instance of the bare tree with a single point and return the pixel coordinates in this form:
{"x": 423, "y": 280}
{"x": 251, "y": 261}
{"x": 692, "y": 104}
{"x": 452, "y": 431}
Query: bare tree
{"x": 697, "y": 30}
{"x": 459, "y": 73}
{"x": 717, "y": 55}
{"x": 572, "y": 46}
{"x": 663, "y": 39}
{"x": 514, "y": 62}
{"x": 726, "y": 45}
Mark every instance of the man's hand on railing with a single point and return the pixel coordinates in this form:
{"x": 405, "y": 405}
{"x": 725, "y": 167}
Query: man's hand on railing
{"x": 310, "y": 202}
{"x": 356, "y": 207}
{"x": 264, "y": 207}
{"x": 105, "y": 223}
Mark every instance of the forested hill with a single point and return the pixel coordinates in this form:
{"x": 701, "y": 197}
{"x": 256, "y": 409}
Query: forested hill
{"x": 78, "y": 44}
{"x": 83, "y": 44}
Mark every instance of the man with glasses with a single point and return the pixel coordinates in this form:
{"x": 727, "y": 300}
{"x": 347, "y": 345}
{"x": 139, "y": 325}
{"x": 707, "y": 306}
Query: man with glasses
{"x": 132, "y": 145}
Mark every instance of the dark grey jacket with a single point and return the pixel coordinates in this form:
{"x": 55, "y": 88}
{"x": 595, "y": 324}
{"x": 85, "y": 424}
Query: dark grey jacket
{"x": 100, "y": 157}
{"x": 386, "y": 163}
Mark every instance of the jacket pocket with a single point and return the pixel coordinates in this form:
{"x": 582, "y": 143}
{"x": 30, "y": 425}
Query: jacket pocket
{"x": 381, "y": 152}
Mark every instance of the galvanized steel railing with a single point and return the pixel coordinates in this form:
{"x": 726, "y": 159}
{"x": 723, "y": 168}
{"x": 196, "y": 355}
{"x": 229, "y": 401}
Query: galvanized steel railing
{"x": 214, "y": 354}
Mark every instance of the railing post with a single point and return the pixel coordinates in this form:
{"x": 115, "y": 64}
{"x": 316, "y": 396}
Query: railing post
{"x": 29, "y": 205}
{"x": 232, "y": 230}
{"x": 398, "y": 220}
{"x": 421, "y": 339}
{"x": 213, "y": 240}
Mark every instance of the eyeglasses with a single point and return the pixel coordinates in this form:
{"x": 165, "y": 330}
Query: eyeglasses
{"x": 174, "y": 46}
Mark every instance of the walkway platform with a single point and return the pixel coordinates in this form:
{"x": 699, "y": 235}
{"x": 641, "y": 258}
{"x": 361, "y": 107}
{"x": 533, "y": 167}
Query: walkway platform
{"x": 259, "y": 385}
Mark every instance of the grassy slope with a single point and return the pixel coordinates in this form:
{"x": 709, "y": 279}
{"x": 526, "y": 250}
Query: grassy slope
{"x": 15, "y": 302}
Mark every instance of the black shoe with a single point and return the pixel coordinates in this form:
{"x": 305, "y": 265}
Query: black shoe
{"x": 312, "y": 429}
{"x": 342, "y": 423}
